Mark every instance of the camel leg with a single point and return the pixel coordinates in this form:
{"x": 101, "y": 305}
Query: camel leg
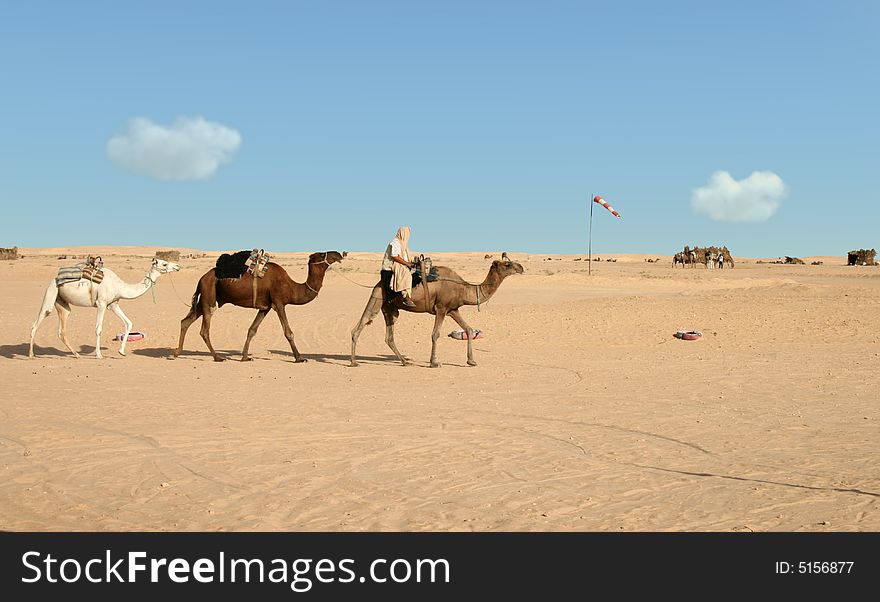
{"x": 126, "y": 323}
{"x": 63, "y": 309}
{"x": 455, "y": 315}
{"x": 193, "y": 315}
{"x": 206, "y": 333}
{"x": 114, "y": 307}
{"x": 251, "y": 332}
{"x": 99, "y": 326}
{"x": 49, "y": 298}
{"x": 374, "y": 306}
{"x": 391, "y": 314}
{"x": 438, "y": 323}
{"x": 288, "y": 333}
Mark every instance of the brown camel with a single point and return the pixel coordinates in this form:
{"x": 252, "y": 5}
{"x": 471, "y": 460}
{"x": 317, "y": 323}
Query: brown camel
{"x": 441, "y": 297}
{"x": 275, "y": 290}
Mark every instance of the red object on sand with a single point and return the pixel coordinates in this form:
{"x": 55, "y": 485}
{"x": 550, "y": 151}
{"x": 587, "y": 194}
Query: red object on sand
{"x": 132, "y": 336}
{"x": 691, "y": 335}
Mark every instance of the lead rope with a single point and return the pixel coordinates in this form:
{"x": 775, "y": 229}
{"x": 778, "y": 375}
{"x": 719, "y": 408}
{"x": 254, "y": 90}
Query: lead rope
{"x": 170, "y": 279}
{"x": 349, "y": 279}
{"x": 152, "y": 287}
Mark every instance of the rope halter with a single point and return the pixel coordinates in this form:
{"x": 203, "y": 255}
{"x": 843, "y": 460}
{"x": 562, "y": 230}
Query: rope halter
{"x": 317, "y": 263}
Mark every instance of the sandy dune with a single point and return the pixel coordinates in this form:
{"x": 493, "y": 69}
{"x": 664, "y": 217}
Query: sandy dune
{"x": 584, "y": 412}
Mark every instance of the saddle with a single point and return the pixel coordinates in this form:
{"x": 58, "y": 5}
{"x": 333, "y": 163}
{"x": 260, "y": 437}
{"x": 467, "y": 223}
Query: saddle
{"x": 257, "y": 263}
{"x": 424, "y": 270}
{"x": 93, "y": 270}
{"x": 90, "y": 270}
{"x": 236, "y": 265}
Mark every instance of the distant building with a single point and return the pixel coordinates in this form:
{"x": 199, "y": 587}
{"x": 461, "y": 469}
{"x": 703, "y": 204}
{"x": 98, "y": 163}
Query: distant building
{"x": 861, "y": 257}
{"x": 9, "y": 253}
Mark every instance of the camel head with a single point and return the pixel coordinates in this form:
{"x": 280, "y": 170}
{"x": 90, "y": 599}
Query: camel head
{"x": 328, "y": 257}
{"x": 164, "y": 267}
{"x": 507, "y": 268}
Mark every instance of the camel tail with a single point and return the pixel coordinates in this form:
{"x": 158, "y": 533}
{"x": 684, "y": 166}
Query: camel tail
{"x": 197, "y": 296}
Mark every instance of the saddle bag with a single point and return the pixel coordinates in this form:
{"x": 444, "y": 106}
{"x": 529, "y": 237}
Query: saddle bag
{"x": 94, "y": 274}
{"x": 424, "y": 271}
{"x": 93, "y": 269}
{"x": 258, "y": 262}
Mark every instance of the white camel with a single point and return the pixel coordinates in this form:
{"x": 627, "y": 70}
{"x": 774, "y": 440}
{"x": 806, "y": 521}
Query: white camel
{"x": 106, "y": 295}
{"x": 711, "y": 260}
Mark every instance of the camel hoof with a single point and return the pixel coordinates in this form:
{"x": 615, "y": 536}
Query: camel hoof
{"x": 435, "y": 364}
{"x": 219, "y": 359}
{"x": 353, "y": 365}
{"x": 301, "y": 360}
{"x": 471, "y": 363}
{"x": 122, "y": 353}
{"x": 247, "y": 358}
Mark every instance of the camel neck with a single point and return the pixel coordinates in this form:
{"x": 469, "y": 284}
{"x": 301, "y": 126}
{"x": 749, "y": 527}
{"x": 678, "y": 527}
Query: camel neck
{"x": 303, "y": 293}
{"x": 133, "y": 291}
{"x": 480, "y": 293}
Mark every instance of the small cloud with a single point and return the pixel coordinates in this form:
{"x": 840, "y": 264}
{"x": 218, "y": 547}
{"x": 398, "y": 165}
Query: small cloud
{"x": 188, "y": 149}
{"x": 754, "y": 199}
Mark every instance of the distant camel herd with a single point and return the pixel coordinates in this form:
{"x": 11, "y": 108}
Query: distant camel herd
{"x": 439, "y": 297}
{"x": 710, "y": 257}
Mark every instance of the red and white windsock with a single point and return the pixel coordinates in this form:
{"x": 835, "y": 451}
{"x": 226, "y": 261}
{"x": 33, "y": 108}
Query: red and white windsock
{"x": 604, "y": 203}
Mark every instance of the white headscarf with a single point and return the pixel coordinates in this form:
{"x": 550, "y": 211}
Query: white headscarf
{"x": 403, "y": 236}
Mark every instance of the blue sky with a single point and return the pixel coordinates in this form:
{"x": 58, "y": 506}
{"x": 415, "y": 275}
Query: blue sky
{"x": 483, "y": 125}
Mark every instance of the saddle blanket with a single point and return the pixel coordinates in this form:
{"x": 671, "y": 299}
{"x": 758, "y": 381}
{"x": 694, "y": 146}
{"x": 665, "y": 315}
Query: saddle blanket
{"x": 78, "y": 272}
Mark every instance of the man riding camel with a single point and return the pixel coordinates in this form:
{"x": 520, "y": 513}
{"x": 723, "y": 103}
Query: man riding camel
{"x": 397, "y": 268}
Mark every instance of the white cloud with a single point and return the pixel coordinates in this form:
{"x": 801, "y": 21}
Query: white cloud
{"x": 188, "y": 149}
{"x": 754, "y": 199}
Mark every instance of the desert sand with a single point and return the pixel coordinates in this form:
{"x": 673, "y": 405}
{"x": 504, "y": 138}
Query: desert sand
{"x": 584, "y": 413}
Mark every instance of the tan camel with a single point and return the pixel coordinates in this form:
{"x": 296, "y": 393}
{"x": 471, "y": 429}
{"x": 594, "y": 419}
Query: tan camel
{"x": 275, "y": 290}
{"x": 441, "y": 297}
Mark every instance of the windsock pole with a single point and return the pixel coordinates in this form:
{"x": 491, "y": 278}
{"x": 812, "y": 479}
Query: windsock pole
{"x": 590, "y": 243}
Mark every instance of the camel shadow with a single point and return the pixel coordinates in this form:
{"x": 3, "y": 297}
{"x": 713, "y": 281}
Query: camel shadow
{"x": 168, "y": 353}
{"x": 21, "y": 350}
{"x": 379, "y": 360}
{"x": 326, "y": 358}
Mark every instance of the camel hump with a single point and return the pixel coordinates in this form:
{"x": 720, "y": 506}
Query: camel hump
{"x": 232, "y": 265}
{"x": 445, "y": 272}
